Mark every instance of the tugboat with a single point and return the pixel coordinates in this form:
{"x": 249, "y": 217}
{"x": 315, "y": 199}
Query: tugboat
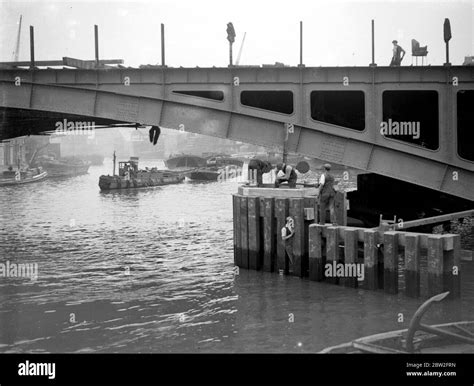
{"x": 130, "y": 177}
{"x": 94, "y": 159}
{"x": 19, "y": 177}
{"x": 215, "y": 165}
{"x": 454, "y": 337}
{"x": 222, "y": 160}
{"x": 204, "y": 174}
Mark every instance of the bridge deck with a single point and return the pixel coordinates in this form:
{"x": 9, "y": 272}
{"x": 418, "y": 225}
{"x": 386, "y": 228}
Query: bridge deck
{"x": 334, "y": 114}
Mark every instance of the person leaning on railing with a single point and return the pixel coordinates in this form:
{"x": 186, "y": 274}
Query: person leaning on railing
{"x": 398, "y": 54}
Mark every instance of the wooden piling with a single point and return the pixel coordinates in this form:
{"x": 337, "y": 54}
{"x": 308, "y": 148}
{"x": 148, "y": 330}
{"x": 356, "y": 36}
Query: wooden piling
{"x": 237, "y": 236}
{"x": 435, "y": 264}
{"x": 316, "y": 257}
{"x": 244, "y": 257}
{"x": 316, "y": 249}
{"x": 371, "y": 260}
{"x": 269, "y": 247}
{"x": 309, "y": 204}
{"x": 309, "y": 218}
{"x": 281, "y": 210}
{"x": 390, "y": 242}
{"x": 350, "y": 256}
{"x": 296, "y": 209}
{"x": 412, "y": 265}
{"x": 163, "y": 45}
{"x": 255, "y": 258}
{"x": 332, "y": 253}
{"x": 452, "y": 266}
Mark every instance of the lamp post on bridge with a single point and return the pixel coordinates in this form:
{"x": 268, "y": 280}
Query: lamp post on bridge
{"x": 231, "y": 39}
{"x": 163, "y": 45}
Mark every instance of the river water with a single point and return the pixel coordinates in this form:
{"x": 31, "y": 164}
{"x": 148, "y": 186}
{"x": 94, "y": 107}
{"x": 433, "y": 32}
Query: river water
{"x": 152, "y": 271}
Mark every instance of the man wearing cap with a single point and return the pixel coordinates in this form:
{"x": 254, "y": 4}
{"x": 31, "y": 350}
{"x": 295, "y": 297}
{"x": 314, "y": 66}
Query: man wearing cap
{"x": 326, "y": 195}
{"x": 397, "y": 54}
{"x": 287, "y": 233}
{"x": 285, "y": 173}
{"x": 256, "y": 170}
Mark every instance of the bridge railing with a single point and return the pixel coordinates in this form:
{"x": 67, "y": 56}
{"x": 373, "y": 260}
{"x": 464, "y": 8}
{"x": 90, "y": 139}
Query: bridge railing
{"x": 391, "y": 259}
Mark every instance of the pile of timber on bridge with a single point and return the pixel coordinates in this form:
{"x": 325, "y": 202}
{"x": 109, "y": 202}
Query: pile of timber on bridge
{"x": 67, "y": 62}
{"x": 260, "y": 214}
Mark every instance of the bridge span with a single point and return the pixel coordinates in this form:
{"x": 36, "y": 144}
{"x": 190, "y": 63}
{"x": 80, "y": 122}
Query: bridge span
{"x": 415, "y": 124}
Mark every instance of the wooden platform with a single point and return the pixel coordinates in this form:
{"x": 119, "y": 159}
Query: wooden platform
{"x": 271, "y": 192}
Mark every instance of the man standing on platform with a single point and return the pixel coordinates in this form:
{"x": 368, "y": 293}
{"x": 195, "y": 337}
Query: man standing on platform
{"x": 326, "y": 195}
{"x": 285, "y": 173}
{"x": 256, "y": 170}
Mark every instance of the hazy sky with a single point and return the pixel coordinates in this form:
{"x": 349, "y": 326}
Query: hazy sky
{"x": 336, "y": 33}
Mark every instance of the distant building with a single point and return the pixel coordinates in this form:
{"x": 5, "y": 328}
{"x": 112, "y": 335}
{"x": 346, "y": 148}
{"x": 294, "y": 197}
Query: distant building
{"x": 20, "y": 151}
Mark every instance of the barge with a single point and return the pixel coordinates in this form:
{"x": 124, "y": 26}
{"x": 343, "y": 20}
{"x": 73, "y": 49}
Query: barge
{"x": 204, "y": 174}
{"x": 185, "y": 161}
{"x": 454, "y": 337}
{"x": 130, "y": 177}
{"x": 64, "y": 167}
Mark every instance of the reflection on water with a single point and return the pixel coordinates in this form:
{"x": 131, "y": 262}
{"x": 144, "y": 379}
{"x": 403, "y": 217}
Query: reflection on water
{"x": 152, "y": 271}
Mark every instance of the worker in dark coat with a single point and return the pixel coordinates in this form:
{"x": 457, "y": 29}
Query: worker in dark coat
{"x": 286, "y": 173}
{"x": 287, "y": 233}
{"x": 256, "y": 170}
{"x": 327, "y": 194}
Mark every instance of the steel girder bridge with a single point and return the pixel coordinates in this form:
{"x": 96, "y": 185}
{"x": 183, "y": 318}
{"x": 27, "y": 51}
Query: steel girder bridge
{"x": 331, "y": 113}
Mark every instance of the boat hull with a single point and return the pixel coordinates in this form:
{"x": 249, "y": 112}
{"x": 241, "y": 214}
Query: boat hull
{"x": 60, "y": 169}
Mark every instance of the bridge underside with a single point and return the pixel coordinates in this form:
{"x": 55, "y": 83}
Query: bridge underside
{"x": 35, "y": 107}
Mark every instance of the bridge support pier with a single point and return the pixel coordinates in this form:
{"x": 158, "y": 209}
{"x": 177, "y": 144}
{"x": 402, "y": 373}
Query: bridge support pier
{"x": 351, "y": 256}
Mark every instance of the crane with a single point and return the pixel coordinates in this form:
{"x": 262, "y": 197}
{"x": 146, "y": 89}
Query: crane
{"x": 240, "y": 50}
{"x": 17, "y": 47}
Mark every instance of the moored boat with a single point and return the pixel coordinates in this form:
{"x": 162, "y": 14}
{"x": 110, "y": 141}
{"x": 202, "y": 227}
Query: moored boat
{"x": 454, "y": 337}
{"x": 130, "y": 177}
{"x": 20, "y": 177}
{"x": 64, "y": 167}
{"x": 222, "y": 160}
